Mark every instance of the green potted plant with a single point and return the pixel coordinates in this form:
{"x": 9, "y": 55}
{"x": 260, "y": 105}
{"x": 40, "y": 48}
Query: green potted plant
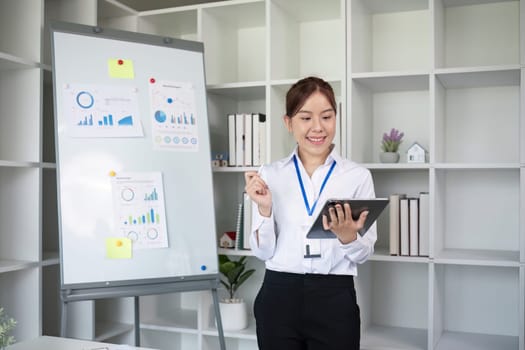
{"x": 234, "y": 313}
{"x": 390, "y": 146}
{"x": 6, "y": 326}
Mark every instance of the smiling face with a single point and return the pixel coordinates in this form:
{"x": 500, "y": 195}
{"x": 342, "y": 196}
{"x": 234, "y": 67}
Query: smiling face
{"x": 313, "y": 127}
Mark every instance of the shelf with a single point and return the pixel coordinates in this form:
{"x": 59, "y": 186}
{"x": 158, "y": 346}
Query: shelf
{"x": 376, "y": 110}
{"x": 234, "y": 252}
{"x": 462, "y": 298}
{"x": 393, "y": 295}
{"x": 478, "y": 166}
{"x": 232, "y": 169}
{"x": 384, "y": 255}
{"x": 20, "y": 120}
{"x": 108, "y": 330}
{"x": 19, "y": 235}
{"x": 383, "y": 82}
{"x": 50, "y": 258}
{"x": 396, "y": 166}
{"x": 20, "y": 297}
{"x": 477, "y": 33}
{"x": 18, "y": 164}
{"x": 248, "y": 333}
{"x": 173, "y": 312}
{"x": 393, "y": 338}
{"x": 390, "y": 36}
{"x": 239, "y": 91}
{"x": 10, "y": 62}
{"x": 306, "y": 37}
{"x": 166, "y": 326}
{"x": 174, "y": 23}
{"x": 464, "y": 116}
{"x": 15, "y": 265}
{"x": 24, "y": 18}
{"x": 460, "y": 78}
{"x": 476, "y": 341}
{"x": 478, "y": 257}
{"x": 113, "y": 8}
{"x": 462, "y": 223}
{"x": 235, "y": 39}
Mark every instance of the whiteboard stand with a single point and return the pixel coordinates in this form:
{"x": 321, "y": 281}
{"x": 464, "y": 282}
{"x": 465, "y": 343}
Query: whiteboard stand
{"x": 138, "y": 79}
{"x": 212, "y": 283}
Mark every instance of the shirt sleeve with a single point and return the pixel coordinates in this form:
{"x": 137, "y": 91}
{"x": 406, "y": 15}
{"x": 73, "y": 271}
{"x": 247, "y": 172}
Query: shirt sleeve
{"x": 362, "y": 248}
{"x": 262, "y": 237}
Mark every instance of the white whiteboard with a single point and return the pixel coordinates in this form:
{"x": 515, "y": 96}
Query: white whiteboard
{"x": 91, "y": 156}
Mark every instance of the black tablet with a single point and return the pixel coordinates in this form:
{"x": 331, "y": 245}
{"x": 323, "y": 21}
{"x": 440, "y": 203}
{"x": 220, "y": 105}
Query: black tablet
{"x": 374, "y": 206}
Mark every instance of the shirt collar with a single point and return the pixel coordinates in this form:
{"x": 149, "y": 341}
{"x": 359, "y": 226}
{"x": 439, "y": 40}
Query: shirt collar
{"x": 334, "y": 155}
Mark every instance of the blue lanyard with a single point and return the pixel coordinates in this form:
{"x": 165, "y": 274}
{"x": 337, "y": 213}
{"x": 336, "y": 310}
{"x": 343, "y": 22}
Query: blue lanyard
{"x": 308, "y": 210}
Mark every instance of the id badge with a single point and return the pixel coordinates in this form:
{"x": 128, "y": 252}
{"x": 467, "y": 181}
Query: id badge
{"x": 312, "y": 248}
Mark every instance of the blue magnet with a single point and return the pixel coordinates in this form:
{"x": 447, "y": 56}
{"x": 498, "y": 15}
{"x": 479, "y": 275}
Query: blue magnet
{"x": 203, "y": 267}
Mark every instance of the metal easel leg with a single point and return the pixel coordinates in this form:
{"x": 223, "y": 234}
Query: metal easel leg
{"x": 137, "y": 321}
{"x": 218, "y": 318}
{"x": 63, "y": 319}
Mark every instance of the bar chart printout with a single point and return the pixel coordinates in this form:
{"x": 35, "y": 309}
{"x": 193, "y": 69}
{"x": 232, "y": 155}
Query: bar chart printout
{"x": 173, "y": 116}
{"x": 102, "y": 111}
{"x": 139, "y": 209}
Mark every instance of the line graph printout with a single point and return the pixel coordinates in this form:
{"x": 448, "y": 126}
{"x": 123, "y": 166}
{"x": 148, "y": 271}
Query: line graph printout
{"x": 174, "y": 120}
{"x": 139, "y": 209}
{"x": 102, "y": 111}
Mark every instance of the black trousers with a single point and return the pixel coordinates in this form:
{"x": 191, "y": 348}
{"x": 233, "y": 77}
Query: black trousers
{"x": 307, "y": 312}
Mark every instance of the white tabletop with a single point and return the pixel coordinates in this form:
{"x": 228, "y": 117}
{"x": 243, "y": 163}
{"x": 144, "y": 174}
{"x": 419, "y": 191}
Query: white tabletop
{"x": 55, "y": 343}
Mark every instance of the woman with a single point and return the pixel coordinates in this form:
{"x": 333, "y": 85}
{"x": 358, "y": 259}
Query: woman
{"x": 308, "y": 300}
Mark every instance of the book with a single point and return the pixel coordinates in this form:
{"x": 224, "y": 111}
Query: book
{"x": 394, "y": 223}
{"x": 404, "y": 243}
{"x": 247, "y": 222}
{"x": 424, "y": 224}
{"x": 413, "y": 218}
{"x": 232, "y": 150}
{"x": 239, "y": 139}
{"x": 248, "y": 140}
{"x": 259, "y": 138}
{"x": 238, "y": 227}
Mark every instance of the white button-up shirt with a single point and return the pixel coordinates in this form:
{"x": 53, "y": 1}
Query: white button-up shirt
{"x": 282, "y": 236}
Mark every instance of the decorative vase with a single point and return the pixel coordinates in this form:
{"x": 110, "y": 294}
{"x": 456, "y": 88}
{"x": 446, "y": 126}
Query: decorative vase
{"x": 389, "y": 157}
{"x": 234, "y": 315}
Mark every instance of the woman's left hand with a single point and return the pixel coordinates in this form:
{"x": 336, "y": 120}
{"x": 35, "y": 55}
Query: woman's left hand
{"x": 342, "y": 224}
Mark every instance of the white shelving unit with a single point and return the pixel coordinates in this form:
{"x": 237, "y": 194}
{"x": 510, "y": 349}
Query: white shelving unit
{"x": 437, "y": 70}
{"x": 21, "y": 256}
{"x": 448, "y": 73}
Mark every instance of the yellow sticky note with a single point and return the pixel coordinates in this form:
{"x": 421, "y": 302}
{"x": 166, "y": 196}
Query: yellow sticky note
{"x": 120, "y": 68}
{"x": 118, "y": 248}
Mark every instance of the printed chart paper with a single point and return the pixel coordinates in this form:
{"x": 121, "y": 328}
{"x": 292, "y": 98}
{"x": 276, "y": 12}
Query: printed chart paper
{"x": 139, "y": 209}
{"x": 101, "y": 111}
{"x": 174, "y": 121}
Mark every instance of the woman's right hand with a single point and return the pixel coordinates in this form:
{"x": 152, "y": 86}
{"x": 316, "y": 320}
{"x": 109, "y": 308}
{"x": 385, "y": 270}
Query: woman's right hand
{"x": 258, "y": 192}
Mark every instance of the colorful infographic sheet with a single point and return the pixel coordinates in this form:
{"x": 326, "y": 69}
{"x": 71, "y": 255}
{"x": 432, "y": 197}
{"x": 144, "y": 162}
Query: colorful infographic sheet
{"x": 102, "y": 111}
{"x": 174, "y": 123}
{"x": 138, "y": 199}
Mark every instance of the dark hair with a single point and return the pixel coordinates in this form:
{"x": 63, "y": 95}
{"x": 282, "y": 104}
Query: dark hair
{"x": 302, "y": 89}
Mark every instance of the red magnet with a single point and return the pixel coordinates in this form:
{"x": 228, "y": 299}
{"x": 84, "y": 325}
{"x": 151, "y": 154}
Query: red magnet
{"x": 120, "y": 62}
{"x": 152, "y": 80}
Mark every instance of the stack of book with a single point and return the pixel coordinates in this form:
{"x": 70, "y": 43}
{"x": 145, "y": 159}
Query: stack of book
{"x": 409, "y": 224}
{"x": 247, "y": 139}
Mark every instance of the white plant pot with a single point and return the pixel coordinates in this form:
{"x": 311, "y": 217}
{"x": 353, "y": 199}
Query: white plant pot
{"x": 389, "y": 157}
{"x": 234, "y": 315}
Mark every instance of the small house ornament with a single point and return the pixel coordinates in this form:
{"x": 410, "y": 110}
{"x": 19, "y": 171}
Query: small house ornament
{"x": 416, "y": 153}
{"x": 228, "y": 240}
